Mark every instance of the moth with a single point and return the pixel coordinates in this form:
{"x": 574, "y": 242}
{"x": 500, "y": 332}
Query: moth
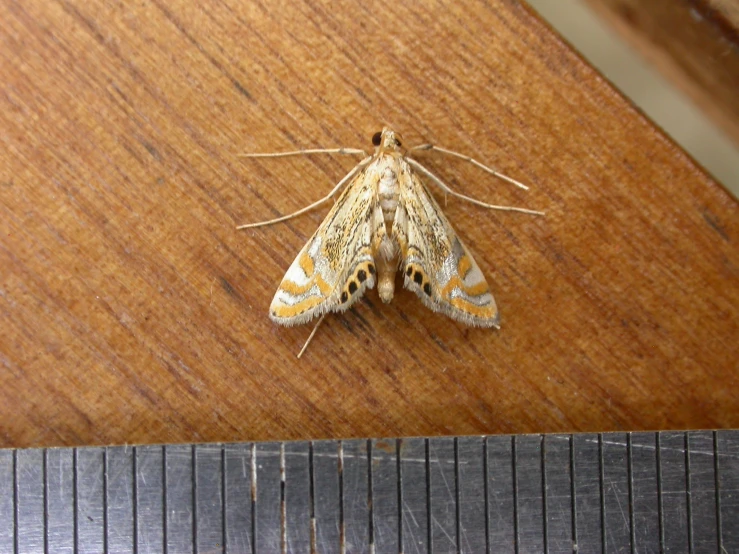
{"x": 384, "y": 221}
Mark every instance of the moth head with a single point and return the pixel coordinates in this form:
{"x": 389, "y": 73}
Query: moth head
{"x": 387, "y": 140}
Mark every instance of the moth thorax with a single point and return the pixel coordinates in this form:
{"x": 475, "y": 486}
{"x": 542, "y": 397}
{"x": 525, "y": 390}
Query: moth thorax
{"x": 388, "y": 190}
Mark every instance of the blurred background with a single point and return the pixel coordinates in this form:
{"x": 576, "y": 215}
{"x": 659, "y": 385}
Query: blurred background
{"x": 678, "y": 61}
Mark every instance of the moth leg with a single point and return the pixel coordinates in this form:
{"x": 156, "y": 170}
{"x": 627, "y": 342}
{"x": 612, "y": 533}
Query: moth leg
{"x": 348, "y": 151}
{"x": 341, "y": 183}
{"x": 310, "y": 337}
{"x": 446, "y": 189}
{"x": 472, "y": 161}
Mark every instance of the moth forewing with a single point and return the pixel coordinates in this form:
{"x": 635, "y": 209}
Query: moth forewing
{"x": 436, "y": 265}
{"x": 336, "y": 265}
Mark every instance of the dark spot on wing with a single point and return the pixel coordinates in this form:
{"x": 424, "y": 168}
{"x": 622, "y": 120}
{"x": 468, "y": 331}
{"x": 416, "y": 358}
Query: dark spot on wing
{"x": 361, "y": 275}
{"x": 352, "y": 287}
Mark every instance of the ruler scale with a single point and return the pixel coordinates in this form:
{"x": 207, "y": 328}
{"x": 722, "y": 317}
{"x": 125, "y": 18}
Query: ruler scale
{"x": 611, "y": 492}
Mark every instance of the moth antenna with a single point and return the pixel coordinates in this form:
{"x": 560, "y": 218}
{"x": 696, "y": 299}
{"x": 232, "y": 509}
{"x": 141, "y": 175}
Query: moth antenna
{"x": 301, "y": 211}
{"x": 448, "y": 190}
{"x": 310, "y": 337}
{"x": 348, "y": 151}
{"x": 472, "y": 161}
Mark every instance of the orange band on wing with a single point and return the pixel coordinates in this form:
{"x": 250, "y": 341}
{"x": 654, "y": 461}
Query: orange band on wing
{"x": 488, "y": 311}
{"x": 457, "y": 283}
{"x": 306, "y": 264}
{"x": 283, "y": 310}
{"x": 296, "y": 290}
{"x": 464, "y": 265}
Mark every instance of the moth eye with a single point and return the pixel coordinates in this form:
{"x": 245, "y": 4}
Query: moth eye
{"x": 398, "y": 143}
{"x": 427, "y": 289}
{"x": 376, "y": 138}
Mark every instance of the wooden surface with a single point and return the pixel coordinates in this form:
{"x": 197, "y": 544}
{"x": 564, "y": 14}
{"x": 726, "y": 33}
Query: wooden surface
{"x": 694, "y": 43}
{"x": 133, "y": 311}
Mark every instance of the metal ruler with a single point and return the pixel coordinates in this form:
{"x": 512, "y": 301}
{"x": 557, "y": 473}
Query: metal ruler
{"x": 613, "y": 492}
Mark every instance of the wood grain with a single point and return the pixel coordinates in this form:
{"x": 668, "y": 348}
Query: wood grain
{"x": 695, "y": 44}
{"x": 133, "y": 311}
